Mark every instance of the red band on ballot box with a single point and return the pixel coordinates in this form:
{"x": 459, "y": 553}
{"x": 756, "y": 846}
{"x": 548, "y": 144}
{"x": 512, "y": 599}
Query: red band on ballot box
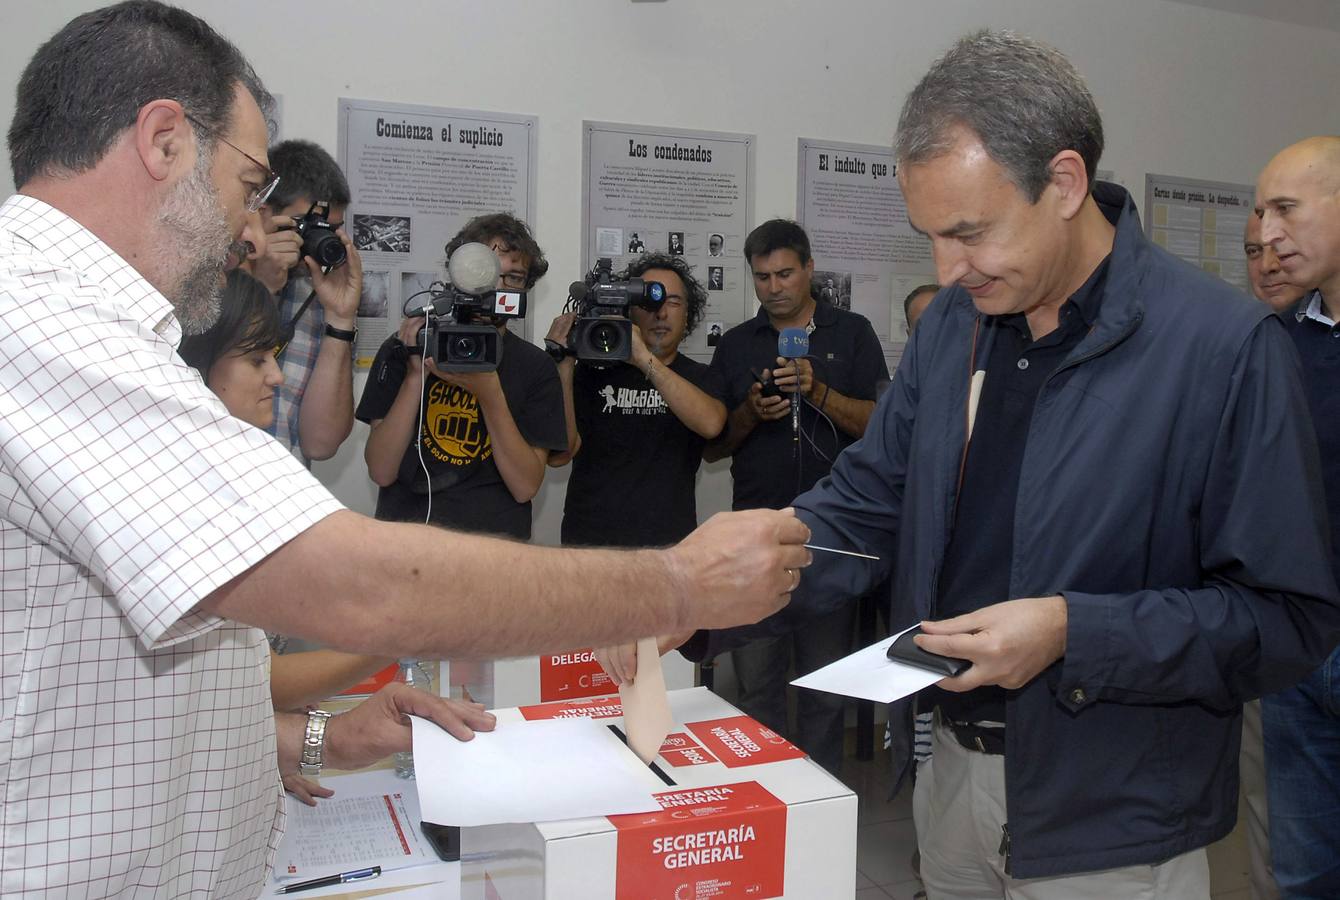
{"x": 597, "y": 708}
{"x": 710, "y": 843}
{"x": 564, "y": 676}
{"x": 373, "y": 683}
{"x": 681, "y": 750}
{"x": 740, "y": 741}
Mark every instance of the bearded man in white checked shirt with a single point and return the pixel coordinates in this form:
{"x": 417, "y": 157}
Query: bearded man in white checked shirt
{"x": 140, "y": 524}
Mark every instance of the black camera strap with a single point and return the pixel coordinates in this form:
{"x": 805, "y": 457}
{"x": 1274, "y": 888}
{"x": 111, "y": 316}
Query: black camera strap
{"x": 291, "y": 327}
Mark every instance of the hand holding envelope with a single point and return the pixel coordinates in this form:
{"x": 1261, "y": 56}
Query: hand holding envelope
{"x": 646, "y": 708}
{"x": 620, "y": 662}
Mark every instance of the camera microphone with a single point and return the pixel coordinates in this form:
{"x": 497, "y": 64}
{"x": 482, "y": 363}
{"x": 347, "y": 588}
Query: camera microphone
{"x": 794, "y": 343}
{"x": 473, "y": 268}
{"x": 577, "y": 292}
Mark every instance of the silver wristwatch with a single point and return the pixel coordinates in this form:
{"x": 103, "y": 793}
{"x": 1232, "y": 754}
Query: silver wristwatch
{"x": 313, "y": 743}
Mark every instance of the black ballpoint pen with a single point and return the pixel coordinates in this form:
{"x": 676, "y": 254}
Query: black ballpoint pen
{"x": 329, "y": 880}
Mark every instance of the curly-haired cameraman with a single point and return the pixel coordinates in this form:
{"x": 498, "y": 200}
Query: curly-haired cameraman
{"x": 468, "y": 447}
{"x": 637, "y": 430}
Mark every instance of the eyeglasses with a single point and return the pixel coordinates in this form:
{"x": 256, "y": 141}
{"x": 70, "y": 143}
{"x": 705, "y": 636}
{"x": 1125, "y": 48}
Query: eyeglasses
{"x": 514, "y": 281}
{"x": 257, "y": 195}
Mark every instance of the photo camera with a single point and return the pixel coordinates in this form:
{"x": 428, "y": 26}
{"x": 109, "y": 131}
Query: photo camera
{"x": 460, "y": 334}
{"x": 319, "y": 240}
{"x": 603, "y": 333}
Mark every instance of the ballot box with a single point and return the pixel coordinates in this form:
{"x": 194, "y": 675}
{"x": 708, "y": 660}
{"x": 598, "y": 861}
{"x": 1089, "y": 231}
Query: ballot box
{"x": 570, "y": 675}
{"x": 745, "y": 814}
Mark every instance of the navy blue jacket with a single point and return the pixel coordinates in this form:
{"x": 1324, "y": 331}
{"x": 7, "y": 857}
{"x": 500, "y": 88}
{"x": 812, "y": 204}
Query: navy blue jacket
{"x": 1170, "y": 491}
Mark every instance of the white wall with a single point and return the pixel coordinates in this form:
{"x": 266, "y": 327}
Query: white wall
{"x": 1183, "y": 89}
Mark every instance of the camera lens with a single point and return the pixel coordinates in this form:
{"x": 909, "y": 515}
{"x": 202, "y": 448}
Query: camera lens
{"x": 606, "y": 338}
{"x": 326, "y": 249}
{"x": 466, "y": 347}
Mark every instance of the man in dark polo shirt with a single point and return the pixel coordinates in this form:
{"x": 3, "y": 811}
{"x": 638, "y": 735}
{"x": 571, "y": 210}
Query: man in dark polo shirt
{"x": 1095, "y": 479}
{"x": 836, "y": 385}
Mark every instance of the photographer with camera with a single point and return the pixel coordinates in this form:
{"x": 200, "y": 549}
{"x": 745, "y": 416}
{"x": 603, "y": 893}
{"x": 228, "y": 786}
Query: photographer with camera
{"x": 637, "y": 427}
{"x": 318, "y": 277}
{"x": 483, "y": 435}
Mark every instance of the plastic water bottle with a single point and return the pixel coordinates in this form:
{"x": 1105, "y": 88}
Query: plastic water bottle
{"x": 415, "y": 674}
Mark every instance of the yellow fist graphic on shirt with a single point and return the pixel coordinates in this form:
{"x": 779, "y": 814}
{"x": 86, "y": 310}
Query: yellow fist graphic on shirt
{"x": 453, "y": 431}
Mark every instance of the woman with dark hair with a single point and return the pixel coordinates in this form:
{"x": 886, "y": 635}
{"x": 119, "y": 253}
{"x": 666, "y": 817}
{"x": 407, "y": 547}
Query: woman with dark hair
{"x": 236, "y": 357}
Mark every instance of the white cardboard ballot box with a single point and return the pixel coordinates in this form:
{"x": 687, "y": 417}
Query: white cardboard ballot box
{"x": 748, "y": 816}
{"x": 571, "y": 675}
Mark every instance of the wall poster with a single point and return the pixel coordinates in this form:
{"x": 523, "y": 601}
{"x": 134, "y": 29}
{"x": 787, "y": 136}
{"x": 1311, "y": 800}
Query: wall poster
{"x": 687, "y": 193}
{"x": 867, "y": 255}
{"x": 416, "y": 175}
{"x": 1202, "y": 222}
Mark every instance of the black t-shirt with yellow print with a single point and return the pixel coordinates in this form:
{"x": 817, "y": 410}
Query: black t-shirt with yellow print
{"x": 467, "y": 489}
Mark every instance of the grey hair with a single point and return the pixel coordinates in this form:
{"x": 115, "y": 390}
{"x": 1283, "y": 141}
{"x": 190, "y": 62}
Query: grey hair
{"x": 1023, "y": 99}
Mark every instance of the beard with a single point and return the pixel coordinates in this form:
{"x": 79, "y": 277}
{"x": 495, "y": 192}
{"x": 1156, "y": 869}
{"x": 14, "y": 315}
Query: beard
{"x": 196, "y": 248}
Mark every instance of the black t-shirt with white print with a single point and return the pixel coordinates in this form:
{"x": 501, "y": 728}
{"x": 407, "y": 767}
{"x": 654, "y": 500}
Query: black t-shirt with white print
{"x": 468, "y": 490}
{"x": 632, "y": 482}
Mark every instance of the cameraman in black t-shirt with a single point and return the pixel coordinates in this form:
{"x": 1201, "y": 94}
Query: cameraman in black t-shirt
{"x": 636, "y": 430}
{"x": 483, "y": 437}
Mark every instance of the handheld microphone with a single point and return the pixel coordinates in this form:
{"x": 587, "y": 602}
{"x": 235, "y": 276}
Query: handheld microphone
{"x": 794, "y": 343}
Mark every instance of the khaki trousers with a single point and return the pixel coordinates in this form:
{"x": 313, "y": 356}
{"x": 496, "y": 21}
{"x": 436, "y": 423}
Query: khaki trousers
{"x": 1255, "y": 811}
{"x": 959, "y": 808}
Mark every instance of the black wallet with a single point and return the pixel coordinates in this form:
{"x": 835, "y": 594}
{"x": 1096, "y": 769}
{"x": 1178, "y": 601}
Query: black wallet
{"x": 905, "y": 650}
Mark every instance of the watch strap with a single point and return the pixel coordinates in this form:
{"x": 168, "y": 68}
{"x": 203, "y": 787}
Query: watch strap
{"x": 556, "y": 351}
{"x": 341, "y": 334}
{"x": 313, "y": 743}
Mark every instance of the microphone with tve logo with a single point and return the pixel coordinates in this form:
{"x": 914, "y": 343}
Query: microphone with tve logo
{"x": 794, "y": 343}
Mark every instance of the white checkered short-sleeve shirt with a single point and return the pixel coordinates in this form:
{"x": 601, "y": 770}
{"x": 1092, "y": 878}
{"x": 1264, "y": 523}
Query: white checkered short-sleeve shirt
{"x": 137, "y": 754}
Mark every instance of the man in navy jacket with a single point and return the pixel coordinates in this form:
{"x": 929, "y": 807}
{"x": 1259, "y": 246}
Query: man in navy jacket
{"x": 1095, "y": 477}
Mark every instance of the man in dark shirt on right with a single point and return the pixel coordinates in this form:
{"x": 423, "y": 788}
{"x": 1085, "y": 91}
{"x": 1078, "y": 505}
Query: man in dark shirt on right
{"x": 837, "y": 384}
{"x": 1125, "y": 566}
{"x": 1298, "y": 200}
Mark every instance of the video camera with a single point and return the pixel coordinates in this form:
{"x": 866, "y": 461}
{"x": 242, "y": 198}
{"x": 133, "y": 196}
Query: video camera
{"x": 319, "y": 240}
{"x": 456, "y": 337}
{"x": 603, "y": 333}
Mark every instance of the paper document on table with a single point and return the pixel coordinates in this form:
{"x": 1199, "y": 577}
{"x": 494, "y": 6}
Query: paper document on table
{"x": 869, "y": 674}
{"x": 646, "y": 707}
{"x": 538, "y": 771}
{"x": 342, "y": 833}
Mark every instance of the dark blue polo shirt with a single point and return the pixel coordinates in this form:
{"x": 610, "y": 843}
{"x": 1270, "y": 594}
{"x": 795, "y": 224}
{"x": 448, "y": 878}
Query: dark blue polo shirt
{"x": 846, "y": 355}
{"x": 976, "y": 570}
{"x": 1319, "y": 346}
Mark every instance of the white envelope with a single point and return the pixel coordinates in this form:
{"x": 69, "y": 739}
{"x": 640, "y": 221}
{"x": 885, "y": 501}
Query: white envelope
{"x": 869, "y": 674}
{"x": 539, "y": 771}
